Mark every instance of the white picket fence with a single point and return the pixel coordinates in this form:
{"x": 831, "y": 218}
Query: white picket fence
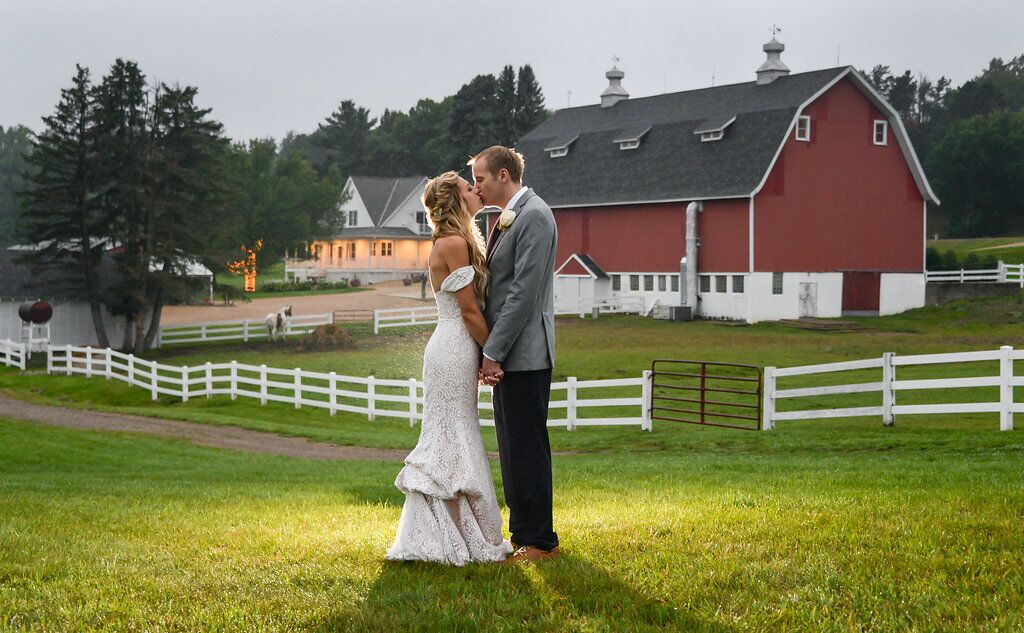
{"x": 403, "y": 317}
{"x": 13, "y": 353}
{"x": 889, "y": 387}
{"x": 1003, "y": 273}
{"x": 242, "y": 330}
{"x": 370, "y": 396}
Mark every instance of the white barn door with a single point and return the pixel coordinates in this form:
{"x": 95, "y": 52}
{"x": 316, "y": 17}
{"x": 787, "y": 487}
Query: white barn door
{"x": 808, "y": 300}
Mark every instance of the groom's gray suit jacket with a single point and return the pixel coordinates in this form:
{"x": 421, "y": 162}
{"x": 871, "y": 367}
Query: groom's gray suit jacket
{"x": 520, "y": 308}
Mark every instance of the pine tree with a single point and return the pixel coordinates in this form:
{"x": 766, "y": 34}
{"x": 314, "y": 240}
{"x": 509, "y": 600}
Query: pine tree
{"x": 342, "y": 137}
{"x": 61, "y": 212}
{"x": 474, "y": 123}
{"x": 506, "y": 104}
{"x": 15, "y": 143}
{"x": 530, "y": 110}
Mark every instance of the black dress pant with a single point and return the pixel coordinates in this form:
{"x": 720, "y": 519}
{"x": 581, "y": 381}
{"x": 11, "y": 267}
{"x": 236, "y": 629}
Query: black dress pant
{"x": 520, "y": 421}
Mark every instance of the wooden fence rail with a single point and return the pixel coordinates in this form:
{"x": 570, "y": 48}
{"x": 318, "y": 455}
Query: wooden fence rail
{"x": 370, "y": 396}
{"x": 242, "y": 330}
{"x": 889, "y": 387}
{"x": 13, "y": 353}
{"x": 1002, "y": 273}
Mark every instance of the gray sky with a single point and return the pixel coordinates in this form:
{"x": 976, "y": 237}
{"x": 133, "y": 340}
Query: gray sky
{"x": 269, "y": 66}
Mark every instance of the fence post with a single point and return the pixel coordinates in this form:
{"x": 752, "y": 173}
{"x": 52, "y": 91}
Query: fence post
{"x": 888, "y": 393}
{"x": 263, "y": 384}
{"x": 768, "y": 406}
{"x": 376, "y": 323}
{"x": 202, "y": 331}
{"x": 1005, "y": 388}
{"x": 106, "y": 364}
{"x": 131, "y": 369}
{"x": 234, "y": 380}
{"x": 371, "y": 395}
{"x": 88, "y": 362}
{"x": 184, "y": 383}
{"x": 67, "y": 358}
{"x": 209, "y": 380}
{"x": 298, "y": 388}
{"x": 49, "y": 360}
{"x": 412, "y": 402}
{"x": 245, "y": 331}
{"x": 646, "y": 424}
{"x": 1000, "y": 272}
{"x": 154, "y": 380}
{"x": 570, "y": 403}
{"x": 332, "y": 384}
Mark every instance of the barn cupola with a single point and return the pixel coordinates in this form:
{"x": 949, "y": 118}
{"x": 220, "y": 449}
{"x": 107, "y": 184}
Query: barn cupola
{"x": 772, "y": 68}
{"x": 614, "y": 93}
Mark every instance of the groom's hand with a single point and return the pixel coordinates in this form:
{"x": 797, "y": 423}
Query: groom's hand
{"x": 491, "y": 371}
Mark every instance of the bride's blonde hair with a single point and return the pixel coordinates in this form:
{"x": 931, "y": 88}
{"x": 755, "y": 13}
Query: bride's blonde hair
{"x": 447, "y": 215}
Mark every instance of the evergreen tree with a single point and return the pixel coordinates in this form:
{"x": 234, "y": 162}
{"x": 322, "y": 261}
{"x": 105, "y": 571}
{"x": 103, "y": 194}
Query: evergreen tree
{"x": 474, "y": 123}
{"x": 530, "y": 110}
{"x": 506, "y": 108}
{"x": 15, "y": 143}
{"x": 342, "y": 138}
{"x": 62, "y": 213}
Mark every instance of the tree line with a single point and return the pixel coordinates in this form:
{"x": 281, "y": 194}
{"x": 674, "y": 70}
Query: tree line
{"x": 970, "y": 140}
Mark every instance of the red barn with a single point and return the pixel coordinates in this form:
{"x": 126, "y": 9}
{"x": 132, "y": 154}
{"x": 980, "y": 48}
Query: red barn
{"x": 811, "y": 200}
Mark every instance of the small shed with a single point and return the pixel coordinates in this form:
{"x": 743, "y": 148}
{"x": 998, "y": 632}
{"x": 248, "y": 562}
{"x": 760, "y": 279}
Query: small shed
{"x": 579, "y": 281}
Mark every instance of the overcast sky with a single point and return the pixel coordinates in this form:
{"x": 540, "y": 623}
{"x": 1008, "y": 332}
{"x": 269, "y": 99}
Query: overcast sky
{"x": 270, "y": 66}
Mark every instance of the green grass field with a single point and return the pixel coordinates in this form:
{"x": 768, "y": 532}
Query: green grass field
{"x": 818, "y": 525}
{"x": 1008, "y": 249}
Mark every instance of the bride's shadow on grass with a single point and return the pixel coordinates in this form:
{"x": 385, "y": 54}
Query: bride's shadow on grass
{"x": 567, "y": 593}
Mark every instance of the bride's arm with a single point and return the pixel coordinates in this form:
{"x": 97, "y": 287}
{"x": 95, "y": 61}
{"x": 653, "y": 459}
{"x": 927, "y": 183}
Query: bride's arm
{"x": 455, "y": 254}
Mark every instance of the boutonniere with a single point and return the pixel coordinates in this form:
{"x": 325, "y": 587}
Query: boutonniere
{"x": 505, "y": 220}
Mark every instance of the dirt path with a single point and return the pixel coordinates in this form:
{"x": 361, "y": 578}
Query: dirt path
{"x": 998, "y": 246}
{"x": 386, "y": 295}
{"x": 229, "y": 437}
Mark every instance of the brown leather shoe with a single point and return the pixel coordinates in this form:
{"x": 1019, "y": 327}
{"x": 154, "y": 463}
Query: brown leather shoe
{"x": 529, "y": 554}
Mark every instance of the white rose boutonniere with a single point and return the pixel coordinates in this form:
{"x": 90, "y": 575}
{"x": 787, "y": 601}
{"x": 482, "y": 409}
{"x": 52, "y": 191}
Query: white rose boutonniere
{"x": 505, "y": 220}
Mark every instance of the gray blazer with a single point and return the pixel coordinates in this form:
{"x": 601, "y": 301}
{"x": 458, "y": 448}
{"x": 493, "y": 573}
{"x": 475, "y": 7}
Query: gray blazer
{"x": 520, "y": 307}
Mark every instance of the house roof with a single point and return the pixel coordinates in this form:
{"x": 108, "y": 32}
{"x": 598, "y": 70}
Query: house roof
{"x": 383, "y": 194}
{"x": 386, "y": 231}
{"x": 672, "y": 164}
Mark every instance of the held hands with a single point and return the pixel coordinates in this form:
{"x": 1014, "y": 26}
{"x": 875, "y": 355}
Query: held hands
{"x": 491, "y": 372}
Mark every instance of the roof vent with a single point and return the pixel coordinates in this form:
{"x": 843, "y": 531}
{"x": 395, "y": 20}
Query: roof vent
{"x": 614, "y": 93}
{"x": 772, "y": 68}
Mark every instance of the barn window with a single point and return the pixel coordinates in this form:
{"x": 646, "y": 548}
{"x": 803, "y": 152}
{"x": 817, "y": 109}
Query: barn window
{"x": 662, "y": 284}
{"x": 776, "y": 283}
{"x": 629, "y": 144}
{"x": 711, "y": 136}
{"x": 675, "y": 283}
{"x": 705, "y": 283}
{"x": 803, "y": 128}
{"x": 386, "y": 249}
{"x": 649, "y": 283}
{"x": 558, "y": 153}
{"x": 351, "y": 250}
{"x": 721, "y": 282}
{"x": 353, "y": 218}
{"x": 616, "y": 283}
{"x": 634, "y": 282}
{"x": 630, "y": 139}
{"x": 737, "y": 283}
{"x": 881, "y": 135}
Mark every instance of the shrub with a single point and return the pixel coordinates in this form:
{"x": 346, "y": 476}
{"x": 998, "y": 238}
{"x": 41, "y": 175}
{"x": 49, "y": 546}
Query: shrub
{"x": 932, "y": 259}
{"x": 293, "y": 286}
{"x": 950, "y": 261}
{"x": 971, "y": 262}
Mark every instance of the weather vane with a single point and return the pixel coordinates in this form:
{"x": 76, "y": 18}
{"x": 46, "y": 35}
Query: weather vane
{"x": 776, "y": 30}
{"x": 615, "y": 60}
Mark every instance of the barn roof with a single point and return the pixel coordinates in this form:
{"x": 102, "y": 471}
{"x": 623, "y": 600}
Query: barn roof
{"x": 383, "y": 194}
{"x": 671, "y": 162}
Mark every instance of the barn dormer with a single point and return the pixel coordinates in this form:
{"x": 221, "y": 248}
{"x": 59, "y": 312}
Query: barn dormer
{"x": 713, "y": 129}
{"x": 630, "y": 139}
{"x": 561, "y": 146}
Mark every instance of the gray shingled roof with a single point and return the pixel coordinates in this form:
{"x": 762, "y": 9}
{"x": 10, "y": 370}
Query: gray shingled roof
{"x": 383, "y": 194}
{"x": 386, "y": 231}
{"x": 671, "y": 163}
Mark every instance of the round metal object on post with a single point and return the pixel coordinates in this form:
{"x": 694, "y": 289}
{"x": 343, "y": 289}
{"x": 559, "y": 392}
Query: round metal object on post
{"x": 37, "y": 312}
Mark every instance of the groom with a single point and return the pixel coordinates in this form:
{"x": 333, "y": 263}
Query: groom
{"x": 520, "y": 351}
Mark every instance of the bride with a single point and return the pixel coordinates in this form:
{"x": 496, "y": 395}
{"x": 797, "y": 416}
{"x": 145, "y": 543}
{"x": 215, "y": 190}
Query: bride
{"x": 451, "y": 512}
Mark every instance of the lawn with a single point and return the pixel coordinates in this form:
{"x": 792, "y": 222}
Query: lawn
{"x": 815, "y": 526}
{"x": 1008, "y": 249}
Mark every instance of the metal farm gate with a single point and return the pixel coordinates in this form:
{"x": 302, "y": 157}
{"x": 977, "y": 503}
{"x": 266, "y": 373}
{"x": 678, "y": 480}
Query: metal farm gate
{"x": 725, "y": 395}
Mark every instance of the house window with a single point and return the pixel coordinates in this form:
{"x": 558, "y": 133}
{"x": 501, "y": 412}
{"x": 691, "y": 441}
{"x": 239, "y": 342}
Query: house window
{"x": 373, "y": 248}
{"x": 662, "y": 283}
{"x": 386, "y": 249}
{"x": 881, "y": 135}
{"x": 649, "y": 283}
{"x": 631, "y": 144}
{"x": 421, "y": 220}
{"x": 558, "y": 153}
{"x": 705, "y": 283}
{"x": 675, "y": 283}
{"x": 714, "y": 135}
{"x": 353, "y": 218}
{"x": 616, "y": 283}
{"x": 341, "y": 252}
{"x": 351, "y": 250}
{"x": 776, "y": 283}
{"x": 737, "y": 283}
{"x": 803, "y": 128}
{"x": 721, "y": 282}
{"x": 634, "y": 282}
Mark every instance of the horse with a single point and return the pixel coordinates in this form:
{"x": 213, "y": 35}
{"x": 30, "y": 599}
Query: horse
{"x": 276, "y": 322}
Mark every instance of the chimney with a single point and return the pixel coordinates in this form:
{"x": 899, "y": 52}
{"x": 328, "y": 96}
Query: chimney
{"x": 772, "y": 68}
{"x": 614, "y": 93}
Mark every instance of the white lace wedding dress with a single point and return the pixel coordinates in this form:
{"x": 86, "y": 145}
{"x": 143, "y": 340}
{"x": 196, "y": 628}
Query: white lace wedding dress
{"x": 450, "y": 513}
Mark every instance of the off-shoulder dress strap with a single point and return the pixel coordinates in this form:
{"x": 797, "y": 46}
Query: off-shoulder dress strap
{"x": 458, "y": 279}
